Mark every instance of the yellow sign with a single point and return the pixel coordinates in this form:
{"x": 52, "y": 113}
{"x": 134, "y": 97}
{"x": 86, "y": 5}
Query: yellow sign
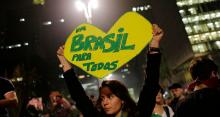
{"x": 99, "y": 53}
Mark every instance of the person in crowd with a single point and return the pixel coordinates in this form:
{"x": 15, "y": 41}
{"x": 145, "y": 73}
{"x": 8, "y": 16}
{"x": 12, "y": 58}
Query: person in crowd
{"x": 161, "y": 109}
{"x": 74, "y": 111}
{"x": 114, "y": 99}
{"x": 204, "y": 100}
{"x": 8, "y": 96}
{"x": 60, "y": 107}
{"x": 34, "y": 108}
{"x": 178, "y": 93}
{"x": 93, "y": 99}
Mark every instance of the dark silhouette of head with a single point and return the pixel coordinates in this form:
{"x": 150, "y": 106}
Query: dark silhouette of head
{"x": 202, "y": 68}
{"x": 175, "y": 86}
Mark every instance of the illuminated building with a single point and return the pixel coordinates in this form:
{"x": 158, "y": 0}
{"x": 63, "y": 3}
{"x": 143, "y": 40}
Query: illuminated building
{"x": 202, "y": 24}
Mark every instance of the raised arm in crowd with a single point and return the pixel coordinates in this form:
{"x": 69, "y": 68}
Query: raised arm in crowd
{"x": 114, "y": 99}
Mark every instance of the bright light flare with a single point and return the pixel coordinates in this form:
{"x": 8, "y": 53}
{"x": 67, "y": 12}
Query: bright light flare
{"x": 80, "y": 5}
{"x": 47, "y": 23}
{"x": 62, "y": 20}
{"x": 109, "y": 76}
{"x": 93, "y": 4}
{"x": 22, "y": 20}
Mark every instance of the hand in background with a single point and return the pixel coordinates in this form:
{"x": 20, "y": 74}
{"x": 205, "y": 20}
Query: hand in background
{"x": 63, "y": 62}
{"x": 157, "y": 36}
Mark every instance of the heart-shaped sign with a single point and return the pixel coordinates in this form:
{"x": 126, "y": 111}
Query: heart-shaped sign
{"x": 99, "y": 53}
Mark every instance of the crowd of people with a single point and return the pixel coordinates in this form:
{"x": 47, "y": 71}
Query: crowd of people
{"x": 198, "y": 99}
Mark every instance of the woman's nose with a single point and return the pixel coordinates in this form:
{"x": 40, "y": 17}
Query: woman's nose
{"x": 105, "y": 102}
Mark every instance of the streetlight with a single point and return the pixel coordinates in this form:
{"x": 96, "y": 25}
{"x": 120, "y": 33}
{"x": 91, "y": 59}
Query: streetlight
{"x": 81, "y": 6}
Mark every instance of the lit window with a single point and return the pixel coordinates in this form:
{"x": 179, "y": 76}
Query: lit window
{"x": 147, "y": 7}
{"x": 190, "y": 2}
{"x": 205, "y": 37}
{"x": 195, "y": 49}
{"x": 209, "y": 36}
{"x": 218, "y": 44}
{"x": 192, "y": 11}
{"x": 191, "y": 39}
{"x": 180, "y": 3}
{"x": 142, "y": 8}
{"x": 195, "y": 19}
{"x": 202, "y": 17}
{"x": 134, "y": 9}
{"x": 217, "y": 24}
{"x": 218, "y": 33}
{"x": 214, "y": 35}
{"x": 182, "y": 12}
{"x": 188, "y": 29}
{"x": 211, "y": 26}
{"x": 205, "y": 28}
{"x": 206, "y": 16}
{"x": 199, "y": 48}
{"x": 195, "y": 38}
{"x": 217, "y": 14}
{"x": 202, "y": 48}
{"x": 213, "y": 15}
{"x": 38, "y": 2}
{"x": 197, "y": 28}
{"x": 185, "y": 20}
{"x": 190, "y": 19}
{"x": 138, "y": 8}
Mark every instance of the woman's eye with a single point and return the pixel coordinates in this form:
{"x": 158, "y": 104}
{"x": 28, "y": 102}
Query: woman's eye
{"x": 111, "y": 96}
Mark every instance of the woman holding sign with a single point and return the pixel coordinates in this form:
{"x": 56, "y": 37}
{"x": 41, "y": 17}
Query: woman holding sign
{"x": 114, "y": 99}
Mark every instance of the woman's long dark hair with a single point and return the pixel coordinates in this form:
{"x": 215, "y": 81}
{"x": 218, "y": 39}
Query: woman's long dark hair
{"x": 121, "y": 91}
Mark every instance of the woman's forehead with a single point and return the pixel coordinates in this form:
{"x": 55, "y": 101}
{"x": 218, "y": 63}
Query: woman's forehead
{"x": 105, "y": 91}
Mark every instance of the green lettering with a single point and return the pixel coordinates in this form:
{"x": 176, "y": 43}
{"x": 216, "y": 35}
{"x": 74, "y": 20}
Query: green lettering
{"x": 114, "y": 65}
{"x": 123, "y": 45}
{"x": 107, "y": 66}
{"x": 77, "y": 43}
{"x": 83, "y": 28}
{"x": 81, "y": 57}
{"x": 100, "y": 66}
{"x": 90, "y": 39}
{"x": 107, "y": 39}
{"x": 75, "y": 57}
{"x": 99, "y": 44}
{"x": 87, "y": 65}
{"x": 94, "y": 67}
{"x": 88, "y": 56}
{"x": 118, "y": 40}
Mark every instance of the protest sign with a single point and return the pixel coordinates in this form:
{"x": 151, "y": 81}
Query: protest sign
{"x": 101, "y": 53}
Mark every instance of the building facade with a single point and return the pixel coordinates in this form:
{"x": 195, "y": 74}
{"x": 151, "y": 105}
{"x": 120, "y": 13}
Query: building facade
{"x": 202, "y": 23}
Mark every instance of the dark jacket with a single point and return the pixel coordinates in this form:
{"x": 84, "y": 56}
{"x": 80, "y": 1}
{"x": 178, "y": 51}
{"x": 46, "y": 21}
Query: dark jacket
{"x": 146, "y": 99}
{"x": 201, "y": 103}
{"x": 5, "y": 86}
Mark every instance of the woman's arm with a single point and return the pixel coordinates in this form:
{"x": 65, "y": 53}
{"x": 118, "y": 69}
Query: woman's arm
{"x": 151, "y": 86}
{"x": 83, "y": 103}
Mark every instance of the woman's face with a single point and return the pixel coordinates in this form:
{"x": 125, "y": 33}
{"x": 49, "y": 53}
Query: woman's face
{"x": 159, "y": 97}
{"x": 110, "y": 102}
